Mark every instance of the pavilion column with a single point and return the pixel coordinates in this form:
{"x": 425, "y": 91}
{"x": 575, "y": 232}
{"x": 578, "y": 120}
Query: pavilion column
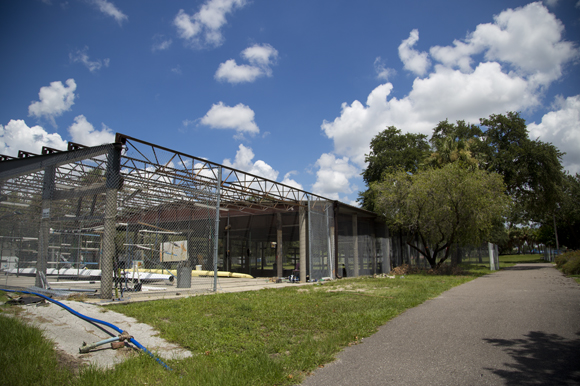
{"x": 355, "y": 243}
{"x": 113, "y": 183}
{"x": 374, "y": 251}
{"x": 303, "y": 243}
{"x": 279, "y": 261}
{"x": 44, "y": 234}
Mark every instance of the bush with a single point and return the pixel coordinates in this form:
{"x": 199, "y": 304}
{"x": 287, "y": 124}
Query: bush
{"x": 572, "y": 264}
{"x": 561, "y": 259}
{"x": 569, "y": 262}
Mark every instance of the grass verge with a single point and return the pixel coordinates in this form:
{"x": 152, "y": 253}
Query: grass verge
{"x": 267, "y": 337}
{"x": 515, "y": 259}
{"x": 26, "y": 358}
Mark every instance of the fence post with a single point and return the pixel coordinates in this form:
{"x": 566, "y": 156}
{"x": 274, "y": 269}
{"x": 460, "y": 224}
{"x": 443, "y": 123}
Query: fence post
{"x": 490, "y": 249}
{"x": 216, "y": 230}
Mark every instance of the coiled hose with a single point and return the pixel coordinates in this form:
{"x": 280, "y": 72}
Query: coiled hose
{"x": 75, "y": 313}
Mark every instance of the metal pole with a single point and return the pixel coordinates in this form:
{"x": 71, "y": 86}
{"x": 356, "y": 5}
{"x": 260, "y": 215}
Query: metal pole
{"x": 47, "y": 192}
{"x": 310, "y": 238}
{"x": 556, "y": 232}
{"x": 216, "y": 230}
{"x": 329, "y": 242}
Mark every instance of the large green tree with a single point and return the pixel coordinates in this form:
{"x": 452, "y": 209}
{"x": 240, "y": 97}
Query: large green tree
{"x": 443, "y": 206}
{"x": 392, "y": 150}
{"x": 566, "y": 216}
{"x": 531, "y": 169}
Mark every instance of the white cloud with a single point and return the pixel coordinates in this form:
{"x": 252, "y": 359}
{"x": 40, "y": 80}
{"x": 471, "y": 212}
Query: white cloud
{"x": 528, "y": 38}
{"x": 204, "y": 27}
{"x": 110, "y": 9}
{"x": 54, "y": 100}
{"x": 551, "y": 3}
{"x": 260, "y": 57}
{"x": 524, "y": 52}
{"x": 160, "y": 43}
{"x": 16, "y": 135}
{"x": 231, "y": 72}
{"x": 81, "y": 131}
{"x": 290, "y": 182}
{"x": 239, "y": 118}
{"x": 562, "y": 128}
{"x": 383, "y": 72}
{"x": 243, "y": 161}
{"x": 414, "y": 61}
{"x": 81, "y": 56}
{"x": 333, "y": 176}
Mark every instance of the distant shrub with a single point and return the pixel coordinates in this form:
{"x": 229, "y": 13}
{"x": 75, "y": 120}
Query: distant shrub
{"x": 572, "y": 264}
{"x": 561, "y": 259}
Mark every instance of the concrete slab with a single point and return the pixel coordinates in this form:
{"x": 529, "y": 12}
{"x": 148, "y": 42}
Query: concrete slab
{"x": 68, "y": 332}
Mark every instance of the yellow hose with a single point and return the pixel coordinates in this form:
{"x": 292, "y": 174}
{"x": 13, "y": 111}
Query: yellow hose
{"x": 195, "y": 273}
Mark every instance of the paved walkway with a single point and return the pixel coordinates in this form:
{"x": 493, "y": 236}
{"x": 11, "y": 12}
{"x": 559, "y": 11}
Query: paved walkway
{"x": 519, "y": 326}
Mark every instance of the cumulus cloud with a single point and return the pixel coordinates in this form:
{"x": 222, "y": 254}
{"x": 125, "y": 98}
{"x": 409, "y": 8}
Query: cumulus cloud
{"x": 16, "y": 135}
{"x": 528, "y": 38}
{"x": 231, "y": 72}
{"x": 82, "y": 56}
{"x": 333, "y": 176}
{"x": 110, "y": 9}
{"x": 204, "y": 28}
{"x": 260, "y": 57}
{"x": 81, "y": 131}
{"x": 291, "y": 182}
{"x": 414, "y": 61}
{"x": 562, "y": 128}
{"x": 239, "y": 118}
{"x": 523, "y": 51}
{"x": 383, "y": 72}
{"x": 243, "y": 161}
{"x": 54, "y": 100}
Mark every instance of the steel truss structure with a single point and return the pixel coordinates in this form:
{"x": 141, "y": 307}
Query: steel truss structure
{"x": 133, "y": 201}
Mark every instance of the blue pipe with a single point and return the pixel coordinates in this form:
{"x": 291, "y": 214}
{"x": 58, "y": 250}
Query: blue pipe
{"x": 132, "y": 340}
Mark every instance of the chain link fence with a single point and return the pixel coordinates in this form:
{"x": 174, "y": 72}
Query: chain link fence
{"x": 485, "y": 254}
{"x": 321, "y": 227}
{"x": 132, "y": 213}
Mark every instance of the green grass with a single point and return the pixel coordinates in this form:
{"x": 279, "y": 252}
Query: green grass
{"x": 527, "y": 258}
{"x": 26, "y": 358}
{"x": 267, "y": 337}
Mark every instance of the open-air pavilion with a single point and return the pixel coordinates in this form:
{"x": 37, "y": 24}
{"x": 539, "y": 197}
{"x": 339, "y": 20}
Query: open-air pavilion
{"x": 135, "y": 205}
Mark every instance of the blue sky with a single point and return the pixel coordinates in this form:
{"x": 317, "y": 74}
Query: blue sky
{"x": 290, "y": 90}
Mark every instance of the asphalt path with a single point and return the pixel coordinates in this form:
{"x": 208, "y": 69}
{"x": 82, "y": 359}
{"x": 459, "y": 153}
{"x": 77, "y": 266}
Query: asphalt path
{"x": 518, "y": 326}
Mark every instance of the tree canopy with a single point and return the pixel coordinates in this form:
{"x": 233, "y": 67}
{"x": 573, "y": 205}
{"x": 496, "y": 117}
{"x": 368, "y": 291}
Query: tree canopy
{"x": 531, "y": 170}
{"x": 453, "y": 204}
{"x": 391, "y": 150}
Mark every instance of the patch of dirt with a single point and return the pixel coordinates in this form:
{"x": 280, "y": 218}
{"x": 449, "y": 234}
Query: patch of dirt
{"x": 70, "y": 362}
{"x": 445, "y": 269}
{"x": 405, "y": 269}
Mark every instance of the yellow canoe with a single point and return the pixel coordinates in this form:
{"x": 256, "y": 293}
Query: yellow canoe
{"x": 196, "y": 273}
